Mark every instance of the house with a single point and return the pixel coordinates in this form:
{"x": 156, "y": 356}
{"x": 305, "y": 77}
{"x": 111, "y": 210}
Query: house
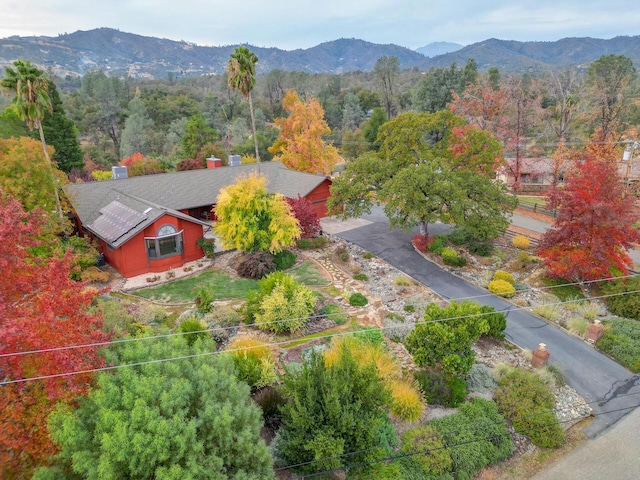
{"x": 536, "y": 173}
{"x": 152, "y": 223}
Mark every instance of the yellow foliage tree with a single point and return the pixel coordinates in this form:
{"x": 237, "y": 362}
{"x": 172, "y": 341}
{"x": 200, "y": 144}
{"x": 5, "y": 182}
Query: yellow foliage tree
{"x": 299, "y": 145}
{"x": 251, "y": 219}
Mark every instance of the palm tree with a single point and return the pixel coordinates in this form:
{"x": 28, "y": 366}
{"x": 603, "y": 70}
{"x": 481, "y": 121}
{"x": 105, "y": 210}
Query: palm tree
{"x": 31, "y": 101}
{"x": 242, "y": 71}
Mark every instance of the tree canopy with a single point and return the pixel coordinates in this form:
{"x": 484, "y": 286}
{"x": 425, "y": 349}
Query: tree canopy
{"x": 430, "y": 167}
{"x": 594, "y": 226}
{"x": 187, "y": 418}
{"x": 251, "y": 219}
{"x": 300, "y": 145}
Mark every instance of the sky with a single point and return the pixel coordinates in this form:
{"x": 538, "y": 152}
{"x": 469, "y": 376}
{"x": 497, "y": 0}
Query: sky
{"x": 292, "y": 24}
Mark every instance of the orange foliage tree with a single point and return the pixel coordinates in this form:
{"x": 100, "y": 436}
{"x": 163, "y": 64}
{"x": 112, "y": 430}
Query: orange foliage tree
{"x": 594, "y": 227}
{"x": 137, "y": 165}
{"x": 300, "y": 145}
{"x": 41, "y": 308}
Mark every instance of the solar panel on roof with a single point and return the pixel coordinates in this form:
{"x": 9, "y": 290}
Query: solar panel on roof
{"x": 116, "y": 220}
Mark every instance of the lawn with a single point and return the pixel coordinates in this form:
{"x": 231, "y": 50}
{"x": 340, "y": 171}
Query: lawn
{"x": 308, "y": 274}
{"x": 224, "y": 285}
{"x": 531, "y": 200}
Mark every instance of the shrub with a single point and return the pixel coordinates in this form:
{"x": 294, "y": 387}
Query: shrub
{"x": 94, "y": 274}
{"x": 283, "y": 305}
{"x": 497, "y": 321}
{"x": 335, "y": 313}
{"x": 225, "y": 316}
{"x": 396, "y": 329}
{"x": 437, "y": 244}
{"x": 253, "y": 360}
{"x": 476, "y": 436}
{"x": 208, "y": 246}
{"x": 458, "y": 236}
{"x": 436, "y": 459}
{"x": 403, "y": 281}
{"x": 420, "y": 242}
{"x": 256, "y": 265}
{"x": 369, "y": 335}
{"x": 149, "y": 313}
{"x": 447, "y": 344}
{"x": 312, "y": 243}
{"x": 502, "y": 275}
{"x": 409, "y": 308}
{"x": 521, "y": 242}
{"x": 358, "y": 300}
{"x": 406, "y": 402}
{"x": 621, "y": 302}
{"x": 270, "y": 401}
{"x": 138, "y": 330}
{"x": 563, "y": 289}
{"x": 551, "y": 312}
{"x": 284, "y": 259}
{"x": 502, "y": 288}
{"x": 204, "y": 299}
{"x": 441, "y": 389}
{"x": 621, "y": 340}
{"x": 480, "y": 379}
{"x": 361, "y": 277}
{"x": 450, "y": 257}
{"x": 482, "y": 248}
{"x": 342, "y": 254}
{"x": 303, "y": 210}
{"x": 368, "y": 255}
{"x": 527, "y": 402}
{"x": 579, "y": 326}
{"x": 590, "y": 311}
{"x": 193, "y": 328}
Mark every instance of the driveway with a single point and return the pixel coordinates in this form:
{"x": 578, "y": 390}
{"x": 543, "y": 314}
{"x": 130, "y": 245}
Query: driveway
{"x": 611, "y": 390}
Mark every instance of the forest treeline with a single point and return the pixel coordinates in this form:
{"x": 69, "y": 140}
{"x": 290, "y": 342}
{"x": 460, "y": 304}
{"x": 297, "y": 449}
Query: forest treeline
{"x": 174, "y": 119}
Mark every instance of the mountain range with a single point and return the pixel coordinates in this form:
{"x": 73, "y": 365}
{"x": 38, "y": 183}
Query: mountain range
{"x": 149, "y": 57}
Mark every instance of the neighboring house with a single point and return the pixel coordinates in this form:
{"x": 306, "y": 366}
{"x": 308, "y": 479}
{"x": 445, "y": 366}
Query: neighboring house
{"x": 536, "y": 174}
{"x": 151, "y": 223}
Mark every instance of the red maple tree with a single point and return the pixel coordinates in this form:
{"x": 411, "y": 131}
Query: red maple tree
{"x": 305, "y": 214}
{"x": 40, "y": 308}
{"x": 594, "y": 227}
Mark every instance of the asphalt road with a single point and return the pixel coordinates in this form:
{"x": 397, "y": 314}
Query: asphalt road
{"x": 611, "y": 390}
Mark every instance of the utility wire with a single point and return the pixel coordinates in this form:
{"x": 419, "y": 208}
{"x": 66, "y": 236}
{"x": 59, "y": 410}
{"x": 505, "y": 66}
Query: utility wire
{"x": 218, "y": 329}
{"x": 273, "y": 344}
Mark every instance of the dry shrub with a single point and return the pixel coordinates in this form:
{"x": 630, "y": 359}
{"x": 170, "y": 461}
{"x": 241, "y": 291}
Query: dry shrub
{"x": 94, "y": 274}
{"x": 406, "y": 401}
{"x": 521, "y": 242}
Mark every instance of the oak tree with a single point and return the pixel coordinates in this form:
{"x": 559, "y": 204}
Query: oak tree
{"x": 430, "y": 167}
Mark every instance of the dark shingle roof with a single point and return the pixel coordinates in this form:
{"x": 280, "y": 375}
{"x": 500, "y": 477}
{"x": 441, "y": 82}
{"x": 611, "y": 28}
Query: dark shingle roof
{"x": 182, "y": 190}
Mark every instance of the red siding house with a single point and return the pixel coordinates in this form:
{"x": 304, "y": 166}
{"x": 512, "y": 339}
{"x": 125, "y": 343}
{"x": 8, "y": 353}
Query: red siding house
{"x": 152, "y": 223}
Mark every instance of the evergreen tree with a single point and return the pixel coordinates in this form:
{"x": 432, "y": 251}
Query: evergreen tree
{"x": 333, "y": 410}
{"x": 62, "y": 134}
{"x": 188, "y": 418}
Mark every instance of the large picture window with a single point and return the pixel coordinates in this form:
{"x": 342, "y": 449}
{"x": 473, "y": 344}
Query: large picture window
{"x": 167, "y": 242}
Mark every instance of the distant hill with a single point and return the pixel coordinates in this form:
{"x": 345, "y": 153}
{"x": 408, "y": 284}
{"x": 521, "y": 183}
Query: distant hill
{"x": 509, "y": 55}
{"x": 439, "y": 48}
{"x": 148, "y": 57}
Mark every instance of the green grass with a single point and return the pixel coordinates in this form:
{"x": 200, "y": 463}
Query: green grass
{"x": 566, "y": 293}
{"x": 224, "y": 285}
{"x": 537, "y": 200}
{"x": 308, "y": 274}
{"x": 183, "y": 290}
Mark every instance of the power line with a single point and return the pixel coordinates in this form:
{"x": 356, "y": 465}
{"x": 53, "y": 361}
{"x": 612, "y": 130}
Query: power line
{"x": 273, "y": 344}
{"x": 486, "y": 424}
{"x": 215, "y": 329}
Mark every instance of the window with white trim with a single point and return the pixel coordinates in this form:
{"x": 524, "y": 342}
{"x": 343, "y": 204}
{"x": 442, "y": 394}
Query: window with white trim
{"x": 166, "y": 243}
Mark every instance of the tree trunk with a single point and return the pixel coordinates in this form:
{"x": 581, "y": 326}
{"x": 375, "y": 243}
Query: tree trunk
{"x": 253, "y": 126}
{"x": 423, "y": 228}
{"x": 55, "y": 180}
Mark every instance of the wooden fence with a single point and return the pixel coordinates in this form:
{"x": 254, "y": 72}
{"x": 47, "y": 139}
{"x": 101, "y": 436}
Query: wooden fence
{"x": 536, "y": 208}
